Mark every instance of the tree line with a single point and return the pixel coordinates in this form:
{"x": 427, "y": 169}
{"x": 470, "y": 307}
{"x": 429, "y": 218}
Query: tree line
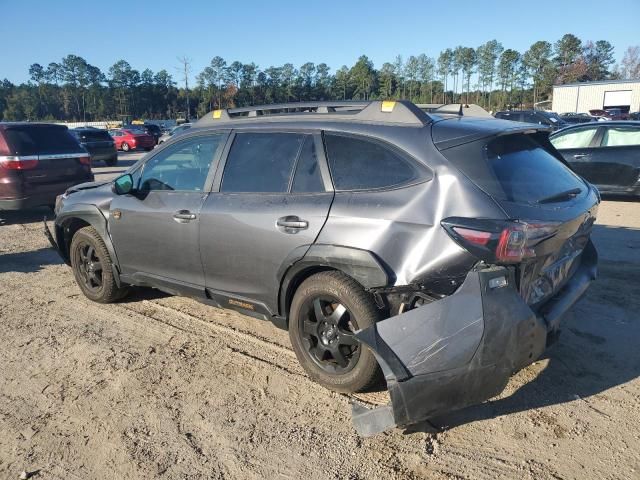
{"x": 489, "y": 75}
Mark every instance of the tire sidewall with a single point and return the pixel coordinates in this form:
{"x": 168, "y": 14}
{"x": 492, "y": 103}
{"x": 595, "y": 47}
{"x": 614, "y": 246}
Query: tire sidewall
{"x": 364, "y": 317}
{"x": 82, "y": 237}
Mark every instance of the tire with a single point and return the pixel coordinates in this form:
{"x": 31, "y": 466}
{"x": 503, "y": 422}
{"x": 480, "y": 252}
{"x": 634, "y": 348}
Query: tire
{"x": 125, "y": 147}
{"x": 148, "y": 149}
{"x": 112, "y": 162}
{"x": 86, "y": 253}
{"x": 317, "y": 338}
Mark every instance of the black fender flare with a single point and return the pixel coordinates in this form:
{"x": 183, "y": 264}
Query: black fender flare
{"x": 361, "y": 265}
{"x": 92, "y": 215}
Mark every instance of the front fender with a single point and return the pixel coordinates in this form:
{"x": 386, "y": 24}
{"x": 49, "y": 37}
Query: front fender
{"x": 91, "y": 215}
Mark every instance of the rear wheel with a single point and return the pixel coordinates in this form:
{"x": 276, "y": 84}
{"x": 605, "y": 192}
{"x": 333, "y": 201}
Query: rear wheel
{"x": 326, "y": 310}
{"x": 125, "y": 147}
{"x": 148, "y": 149}
{"x": 92, "y": 267}
{"x": 112, "y": 162}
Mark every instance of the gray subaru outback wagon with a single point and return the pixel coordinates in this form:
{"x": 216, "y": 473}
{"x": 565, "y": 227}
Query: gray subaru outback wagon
{"x": 437, "y": 251}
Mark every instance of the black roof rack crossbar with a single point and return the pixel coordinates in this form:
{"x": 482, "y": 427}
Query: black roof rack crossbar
{"x": 398, "y": 112}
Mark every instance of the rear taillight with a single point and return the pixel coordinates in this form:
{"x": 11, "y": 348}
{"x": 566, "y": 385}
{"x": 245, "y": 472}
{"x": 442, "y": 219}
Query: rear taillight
{"x": 499, "y": 241}
{"x": 9, "y": 162}
{"x": 85, "y": 160}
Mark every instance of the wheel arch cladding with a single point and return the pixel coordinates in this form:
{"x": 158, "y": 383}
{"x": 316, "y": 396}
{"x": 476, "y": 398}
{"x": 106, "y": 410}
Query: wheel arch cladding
{"x": 78, "y": 216}
{"x": 361, "y": 265}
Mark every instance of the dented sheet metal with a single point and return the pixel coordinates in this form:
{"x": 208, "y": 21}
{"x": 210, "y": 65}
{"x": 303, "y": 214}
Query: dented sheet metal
{"x": 461, "y": 350}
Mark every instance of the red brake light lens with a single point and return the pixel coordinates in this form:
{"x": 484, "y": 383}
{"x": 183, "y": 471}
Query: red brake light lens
{"x": 476, "y": 237}
{"x": 18, "y": 163}
{"x": 512, "y": 245}
{"x": 499, "y": 241}
{"x": 85, "y": 160}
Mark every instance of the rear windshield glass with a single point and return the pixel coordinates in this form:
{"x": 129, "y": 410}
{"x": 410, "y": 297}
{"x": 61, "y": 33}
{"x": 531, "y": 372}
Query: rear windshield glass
{"x": 516, "y": 168}
{"x": 93, "y": 135}
{"x": 41, "y": 139}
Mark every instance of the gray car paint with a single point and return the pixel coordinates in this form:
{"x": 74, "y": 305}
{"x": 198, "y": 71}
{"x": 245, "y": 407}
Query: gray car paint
{"x": 244, "y": 253}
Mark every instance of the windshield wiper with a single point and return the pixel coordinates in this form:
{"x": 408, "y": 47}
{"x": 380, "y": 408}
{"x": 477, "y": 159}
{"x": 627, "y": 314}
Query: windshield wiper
{"x": 566, "y": 195}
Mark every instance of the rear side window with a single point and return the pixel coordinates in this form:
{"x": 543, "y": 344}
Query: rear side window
{"x": 364, "y": 164}
{"x": 261, "y": 162}
{"x": 515, "y": 168}
{"x": 307, "y": 178}
{"x": 580, "y": 138}
{"x": 621, "y": 137}
{"x": 41, "y": 139}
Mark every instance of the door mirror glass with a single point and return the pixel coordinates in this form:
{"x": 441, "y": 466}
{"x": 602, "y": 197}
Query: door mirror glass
{"x": 123, "y": 185}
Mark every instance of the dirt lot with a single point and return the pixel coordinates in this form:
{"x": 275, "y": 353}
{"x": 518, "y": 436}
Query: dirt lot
{"x": 159, "y": 386}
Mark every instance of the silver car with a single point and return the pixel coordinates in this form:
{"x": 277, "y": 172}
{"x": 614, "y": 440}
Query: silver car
{"x": 438, "y": 252}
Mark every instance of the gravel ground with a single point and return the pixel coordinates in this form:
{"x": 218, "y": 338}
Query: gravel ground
{"x": 161, "y": 386}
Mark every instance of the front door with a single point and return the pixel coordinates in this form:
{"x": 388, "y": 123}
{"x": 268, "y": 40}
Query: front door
{"x": 155, "y": 229}
{"x": 577, "y": 146}
{"x": 274, "y": 197}
{"x": 616, "y": 162}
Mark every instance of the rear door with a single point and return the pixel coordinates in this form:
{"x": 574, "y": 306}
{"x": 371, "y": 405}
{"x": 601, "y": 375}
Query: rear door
{"x": 273, "y": 197}
{"x": 61, "y": 160}
{"x": 155, "y": 229}
{"x": 616, "y": 161}
{"x": 578, "y": 147}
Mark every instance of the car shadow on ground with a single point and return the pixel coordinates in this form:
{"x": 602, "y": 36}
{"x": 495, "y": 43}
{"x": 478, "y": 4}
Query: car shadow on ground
{"x": 10, "y": 217}
{"x": 30, "y": 261}
{"x": 597, "y": 349}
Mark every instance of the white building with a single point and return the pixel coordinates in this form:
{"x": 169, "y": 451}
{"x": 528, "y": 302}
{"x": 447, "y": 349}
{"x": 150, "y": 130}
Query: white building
{"x": 582, "y": 97}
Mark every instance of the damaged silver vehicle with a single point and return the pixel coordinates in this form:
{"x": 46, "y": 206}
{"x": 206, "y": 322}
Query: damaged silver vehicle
{"x": 435, "y": 250}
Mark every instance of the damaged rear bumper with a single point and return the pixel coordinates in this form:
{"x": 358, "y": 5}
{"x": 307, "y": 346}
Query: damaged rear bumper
{"x": 461, "y": 350}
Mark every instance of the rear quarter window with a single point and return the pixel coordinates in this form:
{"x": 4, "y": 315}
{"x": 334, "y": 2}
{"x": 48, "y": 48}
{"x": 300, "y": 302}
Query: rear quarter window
{"x": 357, "y": 163}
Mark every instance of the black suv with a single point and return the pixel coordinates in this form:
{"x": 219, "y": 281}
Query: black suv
{"x": 540, "y": 117}
{"x": 98, "y": 143}
{"x": 438, "y": 251}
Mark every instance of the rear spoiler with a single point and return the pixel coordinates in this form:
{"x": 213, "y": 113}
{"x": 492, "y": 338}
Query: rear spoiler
{"x": 460, "y": 137}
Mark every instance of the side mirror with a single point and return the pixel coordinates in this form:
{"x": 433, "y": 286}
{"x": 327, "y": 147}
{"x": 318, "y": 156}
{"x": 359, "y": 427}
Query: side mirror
{"x": 123, "y": 184}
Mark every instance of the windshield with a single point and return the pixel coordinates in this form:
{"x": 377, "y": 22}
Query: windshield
{"x": 553, "y": 116}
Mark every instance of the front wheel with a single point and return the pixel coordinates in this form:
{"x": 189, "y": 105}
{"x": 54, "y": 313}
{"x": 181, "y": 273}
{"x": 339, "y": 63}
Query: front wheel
{"x": 92, "y": 267}
{"x": 326, "y": 310}
{"x": 125, "y": 147}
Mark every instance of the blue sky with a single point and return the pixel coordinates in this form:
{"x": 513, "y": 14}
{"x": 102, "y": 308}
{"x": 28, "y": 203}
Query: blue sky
{"x": 151, "y": 34}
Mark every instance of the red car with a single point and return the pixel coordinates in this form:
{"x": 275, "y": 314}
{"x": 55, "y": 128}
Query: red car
{"x": 130, "y": 139}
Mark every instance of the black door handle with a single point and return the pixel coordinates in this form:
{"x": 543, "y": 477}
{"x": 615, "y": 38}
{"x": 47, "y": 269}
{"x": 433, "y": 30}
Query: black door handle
{"x": 292, "y": 223}
{"x": 183, "y": 216}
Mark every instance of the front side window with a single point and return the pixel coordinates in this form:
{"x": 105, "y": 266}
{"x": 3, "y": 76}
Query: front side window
{"x": 363, "y": 164}
{"x": 262, "y": 162}
{"x": 580, "y": 138}
{"x": 182, "y": 167}
{"x": 621, "y": 137}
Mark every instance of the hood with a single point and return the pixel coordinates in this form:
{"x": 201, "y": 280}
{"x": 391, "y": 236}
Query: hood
{"x": 86, "y": 186}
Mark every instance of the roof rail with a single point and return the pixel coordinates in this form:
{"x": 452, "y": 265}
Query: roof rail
{"x": 395, "y": 112}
